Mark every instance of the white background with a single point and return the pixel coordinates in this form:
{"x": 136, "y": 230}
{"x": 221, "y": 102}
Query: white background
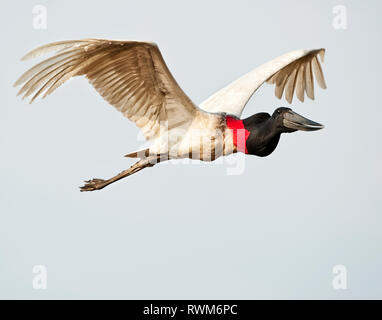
{"x": 192, "y": 231}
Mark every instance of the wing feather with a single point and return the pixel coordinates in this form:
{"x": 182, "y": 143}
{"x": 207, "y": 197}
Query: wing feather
{"x": 54, "y": 46}
{"x": 279, "y": 89}
{"x": 289, "y": 88}
{"x": 300, "y": 84}
{"x": 309, "y": 81}
{"x": 318, "y": 73}
{"x": 45, "y": 64}
{"x": 130, "y": 75}
{"x": 291, "y": 72}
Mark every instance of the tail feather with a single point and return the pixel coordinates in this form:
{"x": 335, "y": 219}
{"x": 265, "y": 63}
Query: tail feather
{"x": 138, "y": 154}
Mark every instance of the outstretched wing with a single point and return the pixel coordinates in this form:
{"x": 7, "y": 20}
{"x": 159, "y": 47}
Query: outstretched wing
{"x": 290, "y": 72}
{"x": 130, "y": 75}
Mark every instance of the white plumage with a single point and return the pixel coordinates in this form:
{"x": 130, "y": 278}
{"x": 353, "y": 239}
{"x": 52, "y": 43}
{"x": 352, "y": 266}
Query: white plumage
{"x": 133, "y": 77}
{"x": 290, "y": 71}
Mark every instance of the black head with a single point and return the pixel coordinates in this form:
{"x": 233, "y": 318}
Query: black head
{"x": 265, "y": 130}
{"x": 286, "y": 120}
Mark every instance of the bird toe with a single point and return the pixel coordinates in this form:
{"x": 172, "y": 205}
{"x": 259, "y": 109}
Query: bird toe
{"x": 94, "y": 184}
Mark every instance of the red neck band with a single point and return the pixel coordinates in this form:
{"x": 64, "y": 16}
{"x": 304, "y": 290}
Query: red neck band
{"x": 238, "y": 131}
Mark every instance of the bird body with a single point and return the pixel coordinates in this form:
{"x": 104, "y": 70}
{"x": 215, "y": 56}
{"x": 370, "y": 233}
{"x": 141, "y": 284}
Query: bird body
{"x": 133, "y": 77}
{"x": 206, "y": 138}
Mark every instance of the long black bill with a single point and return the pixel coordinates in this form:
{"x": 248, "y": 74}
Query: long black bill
{"x": 293, "y": 120}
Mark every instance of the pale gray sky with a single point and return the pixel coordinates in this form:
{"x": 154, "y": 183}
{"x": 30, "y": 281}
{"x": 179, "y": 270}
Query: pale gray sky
{"x": 192, "y": 231}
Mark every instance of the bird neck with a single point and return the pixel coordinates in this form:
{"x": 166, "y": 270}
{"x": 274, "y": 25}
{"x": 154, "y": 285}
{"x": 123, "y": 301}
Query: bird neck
{"x": 264, "y": 134}
{"x": 239, "y": 133}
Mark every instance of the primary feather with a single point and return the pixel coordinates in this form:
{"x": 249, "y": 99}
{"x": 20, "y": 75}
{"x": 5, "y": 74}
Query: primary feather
{"x": 130, "y": 75}
{"x": 291, "y": 72}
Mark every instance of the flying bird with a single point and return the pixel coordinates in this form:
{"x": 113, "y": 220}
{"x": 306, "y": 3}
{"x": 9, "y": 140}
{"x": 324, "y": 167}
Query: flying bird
{"x": 133, "y": 77}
